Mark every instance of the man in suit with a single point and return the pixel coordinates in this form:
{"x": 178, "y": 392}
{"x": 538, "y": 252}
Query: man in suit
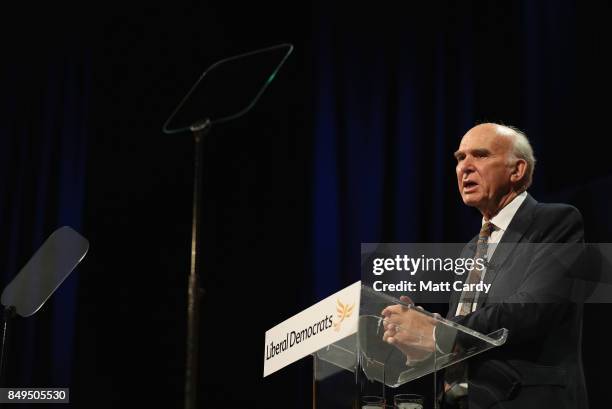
{"x": 540, "y": 364}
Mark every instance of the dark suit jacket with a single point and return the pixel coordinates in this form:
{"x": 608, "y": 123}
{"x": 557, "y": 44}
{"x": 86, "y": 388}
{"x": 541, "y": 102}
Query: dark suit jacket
{"x": 540, "y": 365}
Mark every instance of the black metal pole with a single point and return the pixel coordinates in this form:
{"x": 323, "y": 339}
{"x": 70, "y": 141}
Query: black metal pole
{"x": 7, "y": 316}
{"x": 193, "y": 287}
{"x": 315, "y": 369}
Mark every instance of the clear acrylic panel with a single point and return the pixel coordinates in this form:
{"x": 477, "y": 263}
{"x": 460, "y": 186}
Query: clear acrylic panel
{"x": 228, "y": 89}
{"x": 393, "y": 366}
{"x": 45, "y": 271}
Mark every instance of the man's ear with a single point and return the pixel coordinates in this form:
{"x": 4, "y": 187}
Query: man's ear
{"x": 518, "y": 170}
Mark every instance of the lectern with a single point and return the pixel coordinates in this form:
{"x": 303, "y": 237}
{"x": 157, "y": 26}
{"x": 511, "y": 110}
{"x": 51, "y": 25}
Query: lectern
{"x": 361, "y": 370}
{"x": 378, "y": 369}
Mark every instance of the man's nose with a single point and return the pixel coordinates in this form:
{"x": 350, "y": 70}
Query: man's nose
{"x": 466, "y": 166}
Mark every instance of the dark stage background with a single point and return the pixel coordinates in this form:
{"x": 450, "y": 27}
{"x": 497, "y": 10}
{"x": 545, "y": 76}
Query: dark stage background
{"x": 351, "y": 143}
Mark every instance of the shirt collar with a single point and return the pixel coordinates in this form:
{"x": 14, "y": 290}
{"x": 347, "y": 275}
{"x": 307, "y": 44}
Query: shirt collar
{"x": 504, "y": 217}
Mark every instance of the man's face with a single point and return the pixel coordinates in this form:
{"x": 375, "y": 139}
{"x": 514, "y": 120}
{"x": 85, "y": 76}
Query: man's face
{"x": 484, "y": 167}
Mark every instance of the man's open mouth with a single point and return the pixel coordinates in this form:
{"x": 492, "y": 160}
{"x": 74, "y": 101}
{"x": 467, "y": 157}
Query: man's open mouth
{"x": 469, "y": 185}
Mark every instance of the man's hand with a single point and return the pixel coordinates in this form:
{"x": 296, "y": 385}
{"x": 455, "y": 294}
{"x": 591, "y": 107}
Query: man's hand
{"x": 409, "y": 330}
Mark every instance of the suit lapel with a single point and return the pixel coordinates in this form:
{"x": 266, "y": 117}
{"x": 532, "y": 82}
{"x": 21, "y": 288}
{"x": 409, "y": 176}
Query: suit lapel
{"x": 515, "y": 232}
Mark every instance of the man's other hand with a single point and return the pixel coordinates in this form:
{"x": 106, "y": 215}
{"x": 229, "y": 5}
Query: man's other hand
{"x": 408, "y": 329}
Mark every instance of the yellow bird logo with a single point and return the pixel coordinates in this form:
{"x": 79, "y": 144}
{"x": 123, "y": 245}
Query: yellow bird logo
{"x": 344, "y": 311}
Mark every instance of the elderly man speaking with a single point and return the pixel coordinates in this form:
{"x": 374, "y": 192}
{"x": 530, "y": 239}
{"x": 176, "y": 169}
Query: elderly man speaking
{"x": 540, "y": 365}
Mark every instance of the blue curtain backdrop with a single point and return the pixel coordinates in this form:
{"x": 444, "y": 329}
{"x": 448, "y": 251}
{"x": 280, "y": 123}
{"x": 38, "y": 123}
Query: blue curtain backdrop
{"x": 43, "y": 135}
{"x": 352, "y": 143}
{"x": 395, "y": 93}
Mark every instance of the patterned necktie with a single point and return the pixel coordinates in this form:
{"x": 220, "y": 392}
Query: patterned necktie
{"x": 475, "y": 276}
{"x": 457, "y": 373}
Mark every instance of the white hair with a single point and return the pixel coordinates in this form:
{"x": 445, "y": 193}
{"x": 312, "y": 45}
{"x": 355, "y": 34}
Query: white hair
{"x": 521, "y": 149}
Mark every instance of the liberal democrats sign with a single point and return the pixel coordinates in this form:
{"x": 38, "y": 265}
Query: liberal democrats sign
{"x": 324, "y": 323}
